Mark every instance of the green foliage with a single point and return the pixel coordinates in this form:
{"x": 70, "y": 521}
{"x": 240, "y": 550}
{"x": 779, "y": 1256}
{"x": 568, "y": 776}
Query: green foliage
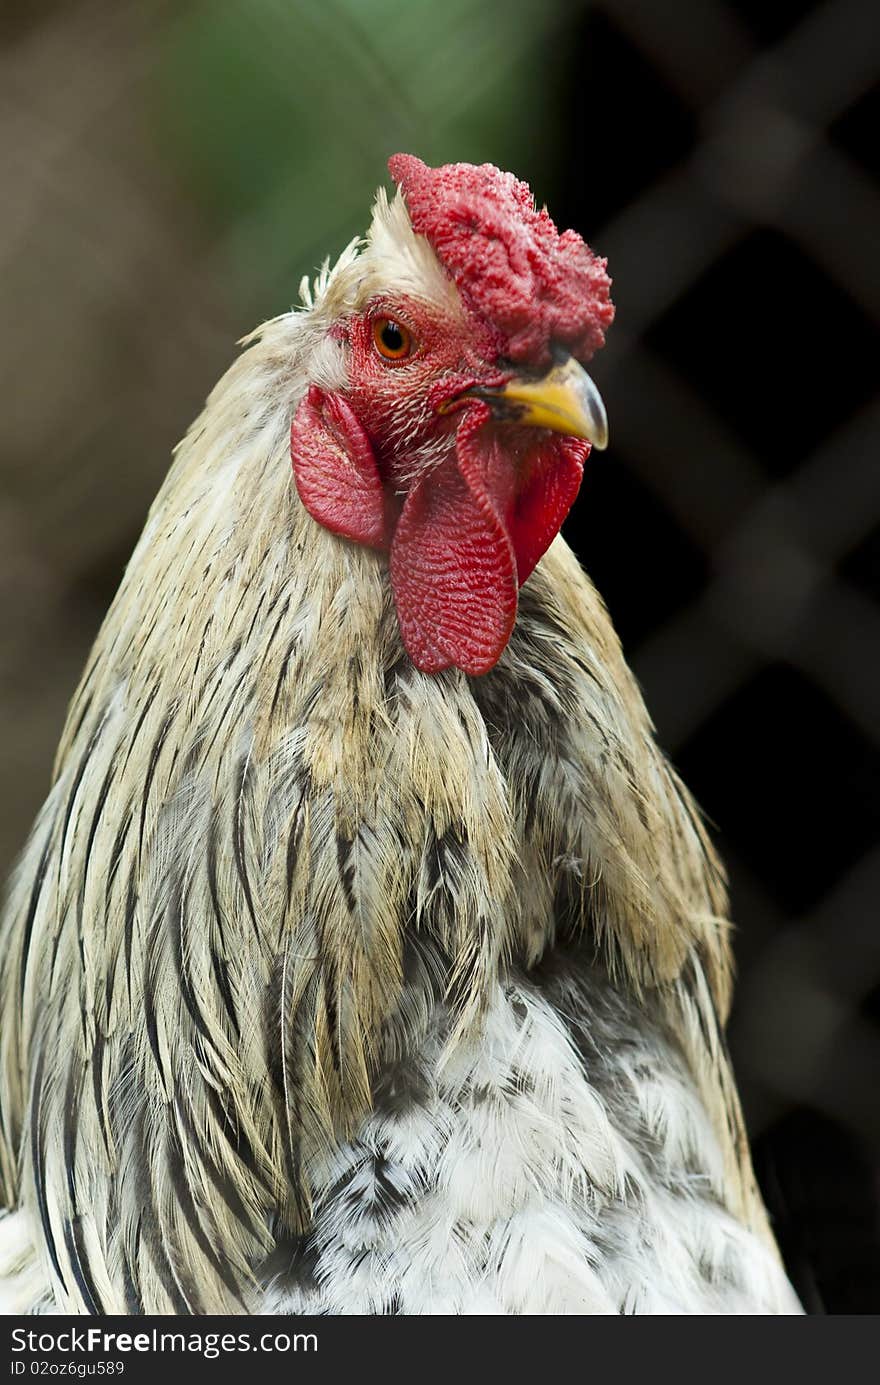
{"x": 279, "y": 114}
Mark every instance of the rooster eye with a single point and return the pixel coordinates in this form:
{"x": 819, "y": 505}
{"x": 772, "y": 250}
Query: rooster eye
{"x": 392, "y": 339}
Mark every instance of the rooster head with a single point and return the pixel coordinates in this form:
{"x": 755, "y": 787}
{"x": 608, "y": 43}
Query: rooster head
{"x": 457, "y": 438}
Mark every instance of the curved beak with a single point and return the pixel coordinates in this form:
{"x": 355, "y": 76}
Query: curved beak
{"x": 564, "y": 400}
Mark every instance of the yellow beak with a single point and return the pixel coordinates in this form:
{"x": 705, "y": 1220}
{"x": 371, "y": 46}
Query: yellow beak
{"x": 564, "y": 400}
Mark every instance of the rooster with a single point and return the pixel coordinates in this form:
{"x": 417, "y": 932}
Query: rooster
{"x": 367, "y": 956}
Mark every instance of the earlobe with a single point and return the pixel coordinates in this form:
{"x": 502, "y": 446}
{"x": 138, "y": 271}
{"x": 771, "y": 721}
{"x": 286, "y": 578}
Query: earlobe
{"x": 335, "y": 469}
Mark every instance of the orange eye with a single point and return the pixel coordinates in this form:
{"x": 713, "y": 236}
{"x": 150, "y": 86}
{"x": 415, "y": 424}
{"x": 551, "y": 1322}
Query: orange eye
{"x": 392, "y": 340}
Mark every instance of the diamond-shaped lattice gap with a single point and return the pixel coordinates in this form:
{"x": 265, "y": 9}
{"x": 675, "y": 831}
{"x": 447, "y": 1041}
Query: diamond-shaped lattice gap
{"x": 791, "y": 781}
{"x": 773, "y": 346}
{"x": 768, "y": 23}
{"x": 615, "y": 156}
{"x": 821, "y": 1190}
{"x": 861, "y": 567}
{"x": 643, "y": 564}
{"x": 869, "y": 1005}
{"x": 855, "y": 132}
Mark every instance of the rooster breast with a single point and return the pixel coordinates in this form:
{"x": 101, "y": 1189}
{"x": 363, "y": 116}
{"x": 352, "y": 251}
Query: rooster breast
{"x": 562, "y": 1164}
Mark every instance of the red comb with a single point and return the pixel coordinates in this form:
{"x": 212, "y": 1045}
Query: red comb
{"x": 511, "y": 266}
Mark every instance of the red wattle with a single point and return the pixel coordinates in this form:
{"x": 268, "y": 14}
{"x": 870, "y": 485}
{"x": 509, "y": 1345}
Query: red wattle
{"x": 470, "y": 531}
{"x": 532, "y": 492}
{"x": 453, "y": 575}
{"x": 545, "y": 498}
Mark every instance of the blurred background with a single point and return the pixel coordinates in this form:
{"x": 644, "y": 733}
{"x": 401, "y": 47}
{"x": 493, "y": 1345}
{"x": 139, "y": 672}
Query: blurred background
{"x": 170, "y": 170}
